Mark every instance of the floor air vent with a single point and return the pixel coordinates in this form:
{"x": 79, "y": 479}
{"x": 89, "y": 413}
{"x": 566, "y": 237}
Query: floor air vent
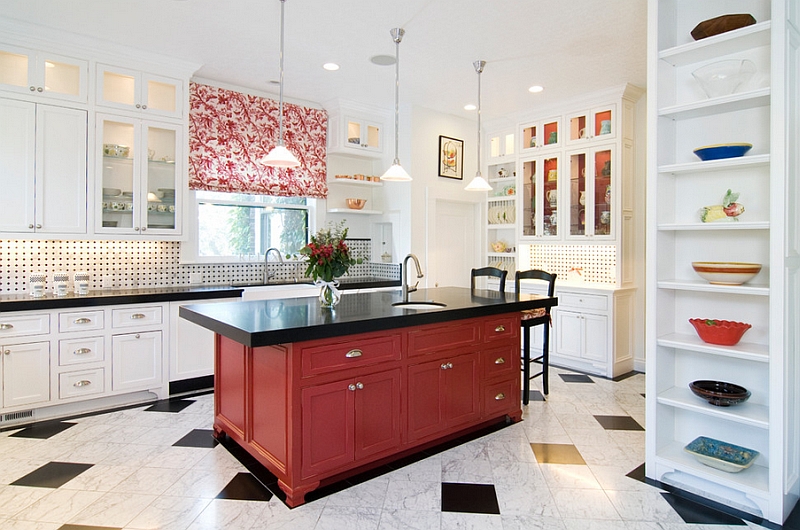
{"x": 15, "y": 416}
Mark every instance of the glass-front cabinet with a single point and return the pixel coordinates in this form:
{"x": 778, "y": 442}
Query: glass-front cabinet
{"x": 540, "y": 197}
{"x": 141, "y": 164}
{"x": 502, "y": 217}
{"x": 596, "y": 124}
{"x": 365, "y": 135}
{"x": 132, "y": 90}
{"x": 501, "y": 144}
{"x": 540, "y": 134}
{"x": 46, "y": 74}
{"x": 588, "y": 199}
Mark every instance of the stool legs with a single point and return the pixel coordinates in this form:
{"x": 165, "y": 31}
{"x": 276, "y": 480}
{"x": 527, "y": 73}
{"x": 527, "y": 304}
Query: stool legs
{"x": 526, "y": 364}
{"x": 546, "y": 358}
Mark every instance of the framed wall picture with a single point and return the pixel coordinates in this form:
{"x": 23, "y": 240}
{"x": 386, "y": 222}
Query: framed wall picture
{"x": 451, "y": 158}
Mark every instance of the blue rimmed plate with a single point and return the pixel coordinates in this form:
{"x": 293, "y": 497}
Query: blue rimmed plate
{"x": 718, "y": 151}
{"x": 721, "y": 455}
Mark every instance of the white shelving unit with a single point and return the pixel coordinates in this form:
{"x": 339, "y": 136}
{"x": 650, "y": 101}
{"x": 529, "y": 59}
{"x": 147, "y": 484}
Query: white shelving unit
{"x": 763, "y": 112}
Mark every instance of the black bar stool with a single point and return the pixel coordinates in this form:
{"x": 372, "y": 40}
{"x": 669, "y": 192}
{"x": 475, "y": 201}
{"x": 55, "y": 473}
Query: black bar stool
{"x": 531, "y": 318}
{"x": 492, "y": 272}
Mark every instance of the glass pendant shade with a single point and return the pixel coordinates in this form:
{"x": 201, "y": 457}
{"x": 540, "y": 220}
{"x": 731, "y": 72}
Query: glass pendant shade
{"x": 396, "y": 173}
{"x": 279, "y": 156}
{"x": 478, "y": 182}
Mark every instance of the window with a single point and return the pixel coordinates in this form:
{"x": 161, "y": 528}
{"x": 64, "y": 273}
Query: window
{"x": 233, "y": 226}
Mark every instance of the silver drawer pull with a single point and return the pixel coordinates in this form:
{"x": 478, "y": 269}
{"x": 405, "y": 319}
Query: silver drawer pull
{"x": 500, "y": 397}
{"x": 499, "y": 329}
{"x": 82, "y": 382}
{"x": 138, "y": 316}
{"x": 82, "y": 320}
{"x": 499, "y": 360}
{"x": 6, "y": 326}
{"x": 82, "y": 351}
{"x": 353, "y": 353}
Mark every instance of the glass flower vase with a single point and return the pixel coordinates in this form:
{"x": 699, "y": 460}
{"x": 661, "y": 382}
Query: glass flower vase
{"x": 329, "y": 295}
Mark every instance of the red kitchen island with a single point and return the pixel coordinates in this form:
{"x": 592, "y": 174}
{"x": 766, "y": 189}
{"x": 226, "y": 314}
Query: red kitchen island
{"x": 317, "y": 395}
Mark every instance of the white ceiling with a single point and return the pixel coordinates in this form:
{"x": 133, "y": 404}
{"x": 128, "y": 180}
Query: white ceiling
{"x": 568, "y": 46}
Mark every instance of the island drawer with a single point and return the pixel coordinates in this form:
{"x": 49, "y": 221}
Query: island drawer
{"x": 501, "y": 327}
{"x": 500, "y": 397}
{"x": 499, "y": 361}
{"x": 438, "y": 337}
{"x": 320, "y": 357}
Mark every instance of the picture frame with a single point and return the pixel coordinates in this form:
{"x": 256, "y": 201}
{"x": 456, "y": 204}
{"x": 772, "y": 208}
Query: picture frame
{"x": 451, "y": 158}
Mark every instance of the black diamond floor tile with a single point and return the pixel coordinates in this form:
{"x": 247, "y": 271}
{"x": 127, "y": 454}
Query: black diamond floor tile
{"x": 469, "y": 498}
{"x": 694, "y": 513}
{"x": 43, "y": 431}
{"x": 245, "y": 487}
{"x": 535, "y": 395}
{"x": 637, "y": 474}
{"x": 618, "y": 423}
{"x": 624, "y": 376}
{"x": 170, "y": 405}
{"x": 644, "y": 395}
{"x": 198, "y": 438}
{"x": 793, "y": 521}
{"x": 52, "y": 475}
{"x": 575, "y": 378}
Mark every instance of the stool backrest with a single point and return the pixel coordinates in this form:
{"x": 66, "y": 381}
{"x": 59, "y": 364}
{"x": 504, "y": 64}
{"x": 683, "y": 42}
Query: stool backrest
{"x": 492, "y": 272}
{"x": 535, "y": 274}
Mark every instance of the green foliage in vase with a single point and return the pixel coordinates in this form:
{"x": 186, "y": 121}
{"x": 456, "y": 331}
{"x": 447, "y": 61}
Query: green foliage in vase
{"x": 328, "y": 254}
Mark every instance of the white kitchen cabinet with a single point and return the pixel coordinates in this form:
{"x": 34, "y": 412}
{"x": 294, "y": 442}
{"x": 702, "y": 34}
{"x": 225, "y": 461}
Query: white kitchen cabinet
{"x": 588, "y": 193}
{"x": 43, "y": 75}
{"x": 139, "y": 92}
{"x": 540, "y": 196}
{"x": 540, "y": 134}
{"x": 26, "y": 373}
{"x": 681, "y": 117}
{"x": 501, "y": 147}
{"x": 136, "y": 361}
{"x": 594, "y": 124}
{"x": 356, "y": 131}
{"x": 140, "y": 177}
{"x": 501, "y": 218}
{"x": 582, "y": 335}
{"x": 43, "y": 175}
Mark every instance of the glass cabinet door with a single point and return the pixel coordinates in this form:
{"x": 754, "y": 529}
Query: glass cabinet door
{"x": 37, "y": 73}
{"x": 132, "y": 90}
{"x": 119, "y": 168}
{"x": 577, "y": 194}
{"x": 540, "y": 134}
{"x": 550, "y": 196}
{"x": 364, "y": 134}
{"x": 501, "y": 144}
{"x": 594, "y": 124}
{"x": 161, "y": 177}
{"x": 601, "y": 194}
{"x": 589, "y": 196}
{"x": 529, "y": 203}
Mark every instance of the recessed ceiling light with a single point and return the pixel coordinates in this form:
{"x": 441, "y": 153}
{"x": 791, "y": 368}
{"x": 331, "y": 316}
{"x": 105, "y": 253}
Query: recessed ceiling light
{"x": 535, "y": 89}
{"x": 383, "y": 60}
{"x": 470, "y": 107}
{"x": 331, "y": 67}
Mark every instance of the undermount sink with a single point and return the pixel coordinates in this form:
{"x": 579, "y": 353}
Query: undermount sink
{"x": 419, "y": 305}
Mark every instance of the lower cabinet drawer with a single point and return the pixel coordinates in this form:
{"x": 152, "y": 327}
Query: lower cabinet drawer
{"x": 136, "y": 316}
{"x": 499, "y": 361}
{"x": 22, "y": 325}
{"x": 500, "y": 397}
{"x": 501, "y": 328}
{"x": 365, "y": 350}
{"x": 83, "y": 383}
{"x": 583, "y": 301}
{"x": 80, "y": 321}
{"x": 80, "y": 351}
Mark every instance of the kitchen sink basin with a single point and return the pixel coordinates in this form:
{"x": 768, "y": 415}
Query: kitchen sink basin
{"x": 419, "y": 305}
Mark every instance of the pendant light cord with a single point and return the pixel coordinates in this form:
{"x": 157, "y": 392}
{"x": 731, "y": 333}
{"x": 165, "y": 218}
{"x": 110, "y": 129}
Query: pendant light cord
{"x": 280, "y": 93}
{"x": 397, "y": 36}
{"x": 479, "y": 68}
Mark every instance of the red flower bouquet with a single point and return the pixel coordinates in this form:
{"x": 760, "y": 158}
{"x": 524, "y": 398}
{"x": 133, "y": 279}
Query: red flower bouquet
{"x": 328, "y": 258}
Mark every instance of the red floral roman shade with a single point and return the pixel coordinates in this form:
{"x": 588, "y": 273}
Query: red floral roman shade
{"x": 230, "y": 132}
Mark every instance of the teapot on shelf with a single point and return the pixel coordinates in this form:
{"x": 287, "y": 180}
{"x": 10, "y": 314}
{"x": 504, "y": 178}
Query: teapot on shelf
{"x": 502, "y": 173}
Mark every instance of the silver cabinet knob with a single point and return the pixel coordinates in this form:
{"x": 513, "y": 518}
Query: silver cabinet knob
{"x": 144, "y": 106}
{"x": 144, "y": 228}
{"x": 40, "y": 89}
{"x": 137, "y": 336}
{"x": 138, "y": 106}
{"x": 38, "y": 226}
{"x": 33, "y": 89}
{"x": 30, "y": 226}
{"x": 360, "y": 385}
{"x": 7, "y": 352}
{"x": 351, "y": 387}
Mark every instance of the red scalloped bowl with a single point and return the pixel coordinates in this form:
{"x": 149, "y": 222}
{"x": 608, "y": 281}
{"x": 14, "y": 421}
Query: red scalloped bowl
{"x": 723, "y": 332}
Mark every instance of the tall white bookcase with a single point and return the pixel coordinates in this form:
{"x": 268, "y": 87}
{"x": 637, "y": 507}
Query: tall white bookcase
{"x": 766, "y": 113}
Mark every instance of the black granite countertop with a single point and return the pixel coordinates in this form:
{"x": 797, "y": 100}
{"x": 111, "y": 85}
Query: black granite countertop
{"x": 345, "y": 283}
{"x": 266, "y": 322}
{"x": 101, "y": 297}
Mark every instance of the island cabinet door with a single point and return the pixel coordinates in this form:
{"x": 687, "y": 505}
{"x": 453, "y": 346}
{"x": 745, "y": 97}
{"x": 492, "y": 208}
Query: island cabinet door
{"x": 425, "y": 414}
{"x": 328, "y": 419}
{"x": 377, "y": 410}
{"x": 462, "y": 394}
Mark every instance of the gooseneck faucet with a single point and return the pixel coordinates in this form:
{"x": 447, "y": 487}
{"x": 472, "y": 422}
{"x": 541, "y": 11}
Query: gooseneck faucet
{"x": 267, "y": 275}
{"x": 406, "y": 287}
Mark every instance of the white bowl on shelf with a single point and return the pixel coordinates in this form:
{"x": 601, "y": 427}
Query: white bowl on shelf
{"x": 722, "y": 78}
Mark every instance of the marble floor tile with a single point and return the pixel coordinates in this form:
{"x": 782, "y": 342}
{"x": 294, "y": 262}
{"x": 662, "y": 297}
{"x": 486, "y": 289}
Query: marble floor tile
{"x": 201, "y": 483}
{"x": 518, "y": 500}
{"x": 532, "y": 522}
{"x": 14, "y": 499}
{"x": 643, "y": 506}
{"x": 100, "y": 477}
{"x": 559, "y": 476}
{"x": 339, "y": 517}
{"x": 149, "y": 480}
{"x": 230, "y": 515}
{"x": 619, "y": 423}
{"x": 169, "y": 513}
{"x": 198, "y": 438}
{"x": 113, "y": 509}
{"x": 44, "y": 430}
{"x": 419, "y": 496}
{"x": 370, "y": 494}
{"x": 584, "y": 504}
{"x": 59, "y": 506}
{"x": 11, "y": 524}
{"x": 396, "y": 519}
{"x": 427, "y": 470}
{"x": 470, "y": 521}
{"x": 176, "y": 457}
{"x": 478, "y": 470}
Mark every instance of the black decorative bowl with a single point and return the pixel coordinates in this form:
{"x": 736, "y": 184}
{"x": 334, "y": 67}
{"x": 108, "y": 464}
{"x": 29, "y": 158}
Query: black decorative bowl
{"x": 719, "y": 393}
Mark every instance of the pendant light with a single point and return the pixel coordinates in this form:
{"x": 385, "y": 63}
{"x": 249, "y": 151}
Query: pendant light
{"x": 479, "y": 183}
{"x": 280, "y": 156}
{"x": 396, "y": 171}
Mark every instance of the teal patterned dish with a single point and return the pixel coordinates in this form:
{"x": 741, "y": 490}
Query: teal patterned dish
{"x": 721, "y": 455}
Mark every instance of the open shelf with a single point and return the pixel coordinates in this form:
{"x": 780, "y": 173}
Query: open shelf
{"x": 704, "y": 286}
{"x": 743, "y": 350}
{"x": 501, "y": 227}
{"x": 707, "y": 107}
{"x": 715, "y": 165}
{"x": 735, "y": 41}
{"x": 354, "y": 182}
{"x": 356, "y": 212}
{"x": 753, "y": 480}
{"x": 745, "y": 413}
{"x": 730, "y": 225}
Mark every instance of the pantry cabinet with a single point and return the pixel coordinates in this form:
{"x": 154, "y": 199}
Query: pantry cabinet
{"x": 43, "y": 75}
{"x": 141, "y": 93}
{"x": 43, "y": 175}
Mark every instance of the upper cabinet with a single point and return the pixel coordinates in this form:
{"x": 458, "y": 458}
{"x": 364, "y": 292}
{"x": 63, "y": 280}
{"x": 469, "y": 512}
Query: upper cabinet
{"x": 501, "y": 146}
{"x": 595, "y": 124}
{"x": 540, "y": 134}
{"x": 42, "y": 74}
{"x": 140, "y": 92}
{"x": 357, "y": 131}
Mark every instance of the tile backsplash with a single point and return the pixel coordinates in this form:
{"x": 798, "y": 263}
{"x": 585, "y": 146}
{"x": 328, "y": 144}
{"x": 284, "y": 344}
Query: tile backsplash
{"x": 141, "y": 264}
{"x": 596, "y": 263}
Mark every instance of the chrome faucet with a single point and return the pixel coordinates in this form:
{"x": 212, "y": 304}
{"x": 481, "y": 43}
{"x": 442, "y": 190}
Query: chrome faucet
{"x": 267, "y": 275}
{"x": 406, "y": 287}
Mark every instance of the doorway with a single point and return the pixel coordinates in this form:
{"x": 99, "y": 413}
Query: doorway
{"x": 452, "y": 243}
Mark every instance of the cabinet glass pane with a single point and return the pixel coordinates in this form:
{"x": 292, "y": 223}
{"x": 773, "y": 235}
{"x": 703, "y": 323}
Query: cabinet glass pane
{"x": 550, "y": 219}
{"x": 602, "y": 192}
{"x": 577, "y": 194}
{"x": 161, "y": 178}
{"x": 577, "y": 127}
{"x": 373, "y": 136}
{"x": 13, "y": 69}
{"x": 161, "y": 96}
{"x": 119, "y": 88}
{"x": 494, "y": 147}
{"x": 550, "y": 133}
{"x": 509, "y": 150}
{"x": 62, "y": 78}
{"x": 529, "y": 136}
{"x": 118, "y": 191}
{"x": 602, "y": 123}
{"x": 353, "y": 133}
{"x": 529, "y": 198}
